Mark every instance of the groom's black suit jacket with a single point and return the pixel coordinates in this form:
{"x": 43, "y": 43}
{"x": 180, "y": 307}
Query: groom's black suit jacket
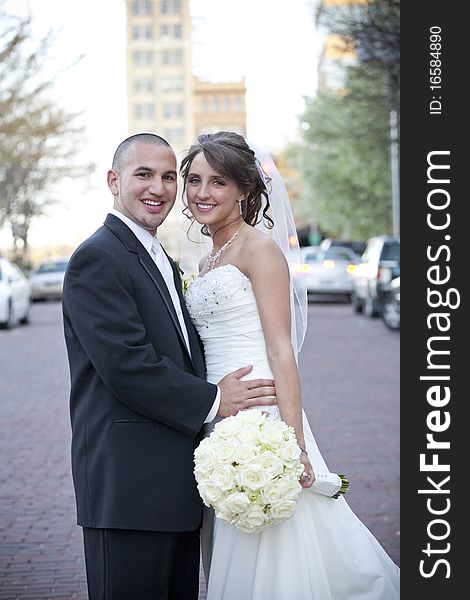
{"x": 138, "y": 399}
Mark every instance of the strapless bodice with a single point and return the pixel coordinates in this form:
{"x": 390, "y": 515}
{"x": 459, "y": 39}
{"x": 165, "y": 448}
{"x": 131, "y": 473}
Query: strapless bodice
{"x": 223, "y": 308}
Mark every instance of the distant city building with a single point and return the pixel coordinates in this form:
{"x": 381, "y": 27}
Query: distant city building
{"x": 159, "y": 73}
{"x": 164, "y": 97}
{"x": 219, "y": 107}
{"x": 335, "y": 55}
{"x": 335, "y": 52}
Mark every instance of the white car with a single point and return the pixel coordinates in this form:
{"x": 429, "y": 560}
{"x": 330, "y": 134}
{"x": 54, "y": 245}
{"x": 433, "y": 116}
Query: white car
{"x": 328, "y": 272}
{"x": 15, "y": 294}
{"x": 47, "y": 280}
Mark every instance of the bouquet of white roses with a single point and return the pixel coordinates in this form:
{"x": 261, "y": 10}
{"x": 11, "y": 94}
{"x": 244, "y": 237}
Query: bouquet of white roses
{"x": 248, "y": 470}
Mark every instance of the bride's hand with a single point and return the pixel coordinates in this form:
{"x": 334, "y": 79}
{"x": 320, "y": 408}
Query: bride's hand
{"x": 308, "y": 476}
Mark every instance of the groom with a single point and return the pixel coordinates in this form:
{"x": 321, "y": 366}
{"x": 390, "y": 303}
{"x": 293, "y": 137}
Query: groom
{"x": 138, "y": 395}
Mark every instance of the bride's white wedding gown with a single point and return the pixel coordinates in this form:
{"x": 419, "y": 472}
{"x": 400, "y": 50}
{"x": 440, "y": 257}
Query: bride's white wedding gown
{"x": 323, "y": 552}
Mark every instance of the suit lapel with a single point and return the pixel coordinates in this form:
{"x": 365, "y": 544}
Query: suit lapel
{"x": 133, "y": 245}
{"x": 197, "y": 352}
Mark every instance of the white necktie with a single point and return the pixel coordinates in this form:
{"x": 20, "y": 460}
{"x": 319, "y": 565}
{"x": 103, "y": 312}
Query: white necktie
{"x": 166, "y": 271}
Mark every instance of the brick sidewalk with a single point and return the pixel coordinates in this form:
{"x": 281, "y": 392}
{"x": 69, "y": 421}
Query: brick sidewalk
{"x": 41, "y": 555}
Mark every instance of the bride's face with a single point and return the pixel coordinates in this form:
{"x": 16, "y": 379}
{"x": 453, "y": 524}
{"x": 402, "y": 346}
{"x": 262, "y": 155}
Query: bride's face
{"x": 213, "y": 199}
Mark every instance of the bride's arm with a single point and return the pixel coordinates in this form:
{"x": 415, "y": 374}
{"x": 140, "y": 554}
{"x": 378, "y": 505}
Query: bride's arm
{"x": 269, "y": 276}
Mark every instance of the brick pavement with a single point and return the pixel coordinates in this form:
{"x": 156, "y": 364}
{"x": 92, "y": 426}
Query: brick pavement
{"x": 350, "y": 370}
{"x": 41, "y": 554}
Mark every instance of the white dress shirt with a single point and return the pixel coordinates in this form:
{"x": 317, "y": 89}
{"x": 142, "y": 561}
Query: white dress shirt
{"x": 154, "y": 248}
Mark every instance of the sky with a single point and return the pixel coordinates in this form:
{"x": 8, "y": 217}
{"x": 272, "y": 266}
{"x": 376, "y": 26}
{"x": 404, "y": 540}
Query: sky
{"x": 272, "y": 44}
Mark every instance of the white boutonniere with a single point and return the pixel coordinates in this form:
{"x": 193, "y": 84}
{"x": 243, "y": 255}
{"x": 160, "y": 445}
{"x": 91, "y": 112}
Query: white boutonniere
{"x": 186, "y": 280}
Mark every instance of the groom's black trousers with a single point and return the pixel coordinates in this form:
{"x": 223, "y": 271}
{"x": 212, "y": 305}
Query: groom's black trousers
{"x": 141, "y": 565}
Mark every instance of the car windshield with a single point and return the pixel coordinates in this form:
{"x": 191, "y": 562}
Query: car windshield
{"x": 391, "y": 251}
{"x": 311, "y": 255}
{"x": 52, "y": 267}
{"x": 340, "y": 254}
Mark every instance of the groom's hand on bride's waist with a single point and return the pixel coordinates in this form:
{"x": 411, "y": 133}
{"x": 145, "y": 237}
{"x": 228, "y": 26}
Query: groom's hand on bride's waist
{"x": 236, "y": 395}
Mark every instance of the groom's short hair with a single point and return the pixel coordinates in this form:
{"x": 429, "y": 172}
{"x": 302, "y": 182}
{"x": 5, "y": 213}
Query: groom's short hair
{"x": 122, "y": 151}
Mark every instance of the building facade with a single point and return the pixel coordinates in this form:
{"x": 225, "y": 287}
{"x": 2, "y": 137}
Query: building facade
{"x": 164, "y": 97}
{"x": 159, "y": 75}
{"x": 219, "y": 107}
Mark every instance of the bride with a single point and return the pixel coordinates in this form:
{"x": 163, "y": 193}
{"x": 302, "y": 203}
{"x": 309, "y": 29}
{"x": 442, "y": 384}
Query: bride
{"x": 247, "y": 311}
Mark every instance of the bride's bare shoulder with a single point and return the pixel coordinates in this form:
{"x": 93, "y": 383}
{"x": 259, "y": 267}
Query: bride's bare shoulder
{"x": 261, "y": 246}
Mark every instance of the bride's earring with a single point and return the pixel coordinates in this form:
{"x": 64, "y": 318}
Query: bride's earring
{"x": 241, "y": 209}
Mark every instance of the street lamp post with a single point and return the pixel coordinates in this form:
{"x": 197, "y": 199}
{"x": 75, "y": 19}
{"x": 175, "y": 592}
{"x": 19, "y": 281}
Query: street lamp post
{"x": 395, "y": 177}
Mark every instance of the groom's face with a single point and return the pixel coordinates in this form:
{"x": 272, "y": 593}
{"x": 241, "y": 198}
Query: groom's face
{"x": 145, "y": 187}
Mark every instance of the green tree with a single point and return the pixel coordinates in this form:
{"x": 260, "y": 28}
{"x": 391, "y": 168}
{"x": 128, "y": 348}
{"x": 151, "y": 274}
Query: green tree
{"x": 370, "y": 29}
{"x": 37, "y": 138}
{"x": 345, "y": 155}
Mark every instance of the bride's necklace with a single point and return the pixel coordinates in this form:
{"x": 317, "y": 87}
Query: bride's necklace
{"x": 214, "y": 257}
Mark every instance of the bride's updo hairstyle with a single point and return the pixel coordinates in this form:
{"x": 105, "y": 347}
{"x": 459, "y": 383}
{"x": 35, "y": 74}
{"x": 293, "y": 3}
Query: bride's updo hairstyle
{"x": 230, "y": 155}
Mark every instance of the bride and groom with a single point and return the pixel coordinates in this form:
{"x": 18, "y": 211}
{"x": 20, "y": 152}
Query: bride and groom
{"x": 149, "y": 372}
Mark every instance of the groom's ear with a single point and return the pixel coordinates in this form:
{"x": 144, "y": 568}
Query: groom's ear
{"x": 113, "y": 178}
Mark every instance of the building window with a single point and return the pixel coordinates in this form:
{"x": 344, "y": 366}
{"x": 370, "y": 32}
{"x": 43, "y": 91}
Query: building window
{"x": 143, "y": 85}
{"x": 142, "y": 32}
{"x": 142, "y": 58}
{"x": 173, "y": 110}
{"x": 172, "y": 56}
{"x": 142, "y": 7}
{"x": 172, "y": 84}
{"x": 144, "y": 111}
{"x": 174, "y": 136}
{"x": 205, "y": 105}
{"x": 173, "y": 32}
{"x": 170, "y": 7}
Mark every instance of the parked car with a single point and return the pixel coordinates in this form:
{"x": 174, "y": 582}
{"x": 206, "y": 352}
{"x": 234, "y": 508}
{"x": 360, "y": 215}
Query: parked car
{"x": 47, "y": 280}
{"x": 15, "y": 292}
{"x": 328, "y": 272}
{"x": 379, "y": 264}
{"x": 391, "y": 305}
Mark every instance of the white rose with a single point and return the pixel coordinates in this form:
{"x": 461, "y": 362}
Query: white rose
{"x": 273, "y": 492}
{"x": 289, "y": 453}
{"x": 291, "y": 488}
{"x": 203, "y": 459}
{"x": 229, "y": 427}
{"x": 245, "y": 453}
{"x": 252, "y": 416}
{"x": 237, "y": 503}
{"x": 272, "y": 434}
{"x": 202, "y": 474}
{"x": 203, "y": 495}
{"x": 223, "y": 477}
{"x": 211, "y": 492}
{"x": 282, "y": 510}
{"x": 254, "y": 520}
{"x": 203, "y": 449}
{"x": 270, "y": 463}
{"x": 222, "y": 510}
{"x": 225, "y": 450}
{"x": 249, "y": 434}
{"x": 252, "y": 476}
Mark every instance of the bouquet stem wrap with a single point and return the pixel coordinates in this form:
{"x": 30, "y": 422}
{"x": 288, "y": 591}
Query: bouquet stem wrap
{"x": 330, "y": 484}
